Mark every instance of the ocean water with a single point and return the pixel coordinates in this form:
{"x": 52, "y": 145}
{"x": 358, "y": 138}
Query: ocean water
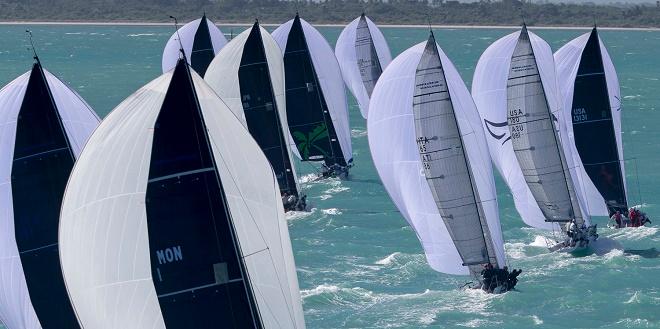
{"x": 359, "y": 263}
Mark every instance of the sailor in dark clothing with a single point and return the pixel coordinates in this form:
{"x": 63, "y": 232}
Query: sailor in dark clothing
{"x": 618, "y": 219}
{"x": 512, "y": 280}
{"x": 302, "y": 203}
{"x": 487, "y": 277}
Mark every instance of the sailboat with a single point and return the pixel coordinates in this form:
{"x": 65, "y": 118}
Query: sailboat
{"x": 592, "y": 111}
{"x": 201, "y": 40}
{"x": 172, "y": 218}
{"x": 44, "y": 126}
{"x": 248, "y": 74}
{"x": 316, "y": 106}
{"x": 363, "y": 54}
{"x": 430, "y": 152}
{"x": 516, "y": 93}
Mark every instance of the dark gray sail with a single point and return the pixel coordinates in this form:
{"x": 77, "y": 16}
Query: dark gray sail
{"x": 308, "y": 116}
{"x": 534, "y": 138}
{"x": 593, "y": 128}
{"x": 261, "y": 112}
{"x": 367, "y": 57}
{"x": 197, "y": 263}
{"x": 43, "y": 159}
{"x": 446, "y": 165}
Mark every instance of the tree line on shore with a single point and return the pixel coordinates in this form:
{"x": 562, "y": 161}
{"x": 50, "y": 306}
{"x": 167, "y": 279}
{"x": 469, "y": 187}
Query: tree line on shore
{"x": 484, "y": 12}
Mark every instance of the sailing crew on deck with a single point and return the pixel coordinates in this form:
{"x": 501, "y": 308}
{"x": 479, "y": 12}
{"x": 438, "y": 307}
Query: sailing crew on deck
{"x": 618, "y": 219}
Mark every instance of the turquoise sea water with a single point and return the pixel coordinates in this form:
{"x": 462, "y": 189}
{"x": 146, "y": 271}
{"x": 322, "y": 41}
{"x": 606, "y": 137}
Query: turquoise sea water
{"x": 359, "y": 264}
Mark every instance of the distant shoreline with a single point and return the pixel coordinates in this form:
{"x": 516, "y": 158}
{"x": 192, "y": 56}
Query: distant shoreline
{"x": 506, "y": 27}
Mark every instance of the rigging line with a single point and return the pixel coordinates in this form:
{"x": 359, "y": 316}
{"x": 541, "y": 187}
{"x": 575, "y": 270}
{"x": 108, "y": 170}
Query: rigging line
{"x": 176, "y": 30}
{"x": 251, "y": 216}
{"x": 34, "y": 50}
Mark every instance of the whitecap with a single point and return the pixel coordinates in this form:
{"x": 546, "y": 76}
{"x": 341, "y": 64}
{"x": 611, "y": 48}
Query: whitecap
{"x": 331, "y": 211}
{"x": 388, "y": 260}
{"x": 141, "y": 34}
{"x": 322, "y": 289}
{"x": 325, "y": 196}
{"x": 356, "y": 133}
{"x": 295, "y": 215}
{"x": 308, "y": 178}
{"x": 537, "y": 320}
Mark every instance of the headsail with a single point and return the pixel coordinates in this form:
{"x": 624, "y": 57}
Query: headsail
{"x": 535, "y": 139}
{"x": 44, "y": 126}
{"x": 201, "y": 40}
{"x": 316, "y": 101}
{"x": 154, "y": 267}
{"x": 592, "y": 107}
{"x": 416, "y": 83}
{"x": 363, "y": 54}
{"x": 445, "y": 163}
{"x": 248, "y": 74}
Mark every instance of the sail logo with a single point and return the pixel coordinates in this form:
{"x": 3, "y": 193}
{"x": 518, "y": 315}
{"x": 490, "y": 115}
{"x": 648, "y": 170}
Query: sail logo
{"x": 169, "y": 255}
{"x": 493, "y": 127}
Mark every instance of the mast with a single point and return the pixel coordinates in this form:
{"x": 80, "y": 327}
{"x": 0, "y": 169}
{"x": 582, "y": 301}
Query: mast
{"x": 593, "y": 127}
{"x": 534, "y": 138}
{"x": 446, "y": 165}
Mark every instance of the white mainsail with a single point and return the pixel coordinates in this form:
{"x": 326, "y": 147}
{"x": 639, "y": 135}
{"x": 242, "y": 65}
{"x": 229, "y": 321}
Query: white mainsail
{"x": 19, "y": 293}
{"x": 363, "y": 54}
{"x": 105, "y": 233}
{"x": 396, "y": 154}
{"x": 329, "y": 76}
{"x": 201, "y": 40}
{"x": 489, "y": 89}
{"x": 567, "y": 60}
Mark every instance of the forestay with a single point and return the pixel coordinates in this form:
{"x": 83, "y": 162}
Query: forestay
{"x": 248, "y": 74}
{"x": 201, "y": 40}
{"x": 44, "y": 125}
{"x": 393, "y": 144}
{"x": 489, "y": 89}
{"x": 363, "y": 54}
{"x": 592, "y": 109}
{"x": 534, "y": 138}
{"x": 131, "y": 255}
{"x": 317, "y": 111}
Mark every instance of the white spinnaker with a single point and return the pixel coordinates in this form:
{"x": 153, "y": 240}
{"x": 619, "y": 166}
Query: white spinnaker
{"x": 346, "y": 55}
{"x": 104, "y": 245}
{"x": 222, "y": 76}
{"x": 567, "y": 60}
{"x": 79, "y": 121}
{"x": 329, "y": 75}
{"x": 394, "y": 150}
{"x": 187, "y": 33}
{"x": 490, "y": 96}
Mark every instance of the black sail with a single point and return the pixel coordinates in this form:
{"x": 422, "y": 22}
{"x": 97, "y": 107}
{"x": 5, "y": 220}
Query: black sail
{"x": 593, "y": 127}
{"x": 196, "y": 261}
{"x": 202, "y": 51}
{"x": 261, "y": 112}
{"x": 42, "y": 162}
{"x": 307, "y": 112}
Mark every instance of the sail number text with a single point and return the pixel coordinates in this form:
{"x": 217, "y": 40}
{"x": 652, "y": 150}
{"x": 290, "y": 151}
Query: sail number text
{"x": 579, "y": 114}
{"x": 515, "y": 123}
